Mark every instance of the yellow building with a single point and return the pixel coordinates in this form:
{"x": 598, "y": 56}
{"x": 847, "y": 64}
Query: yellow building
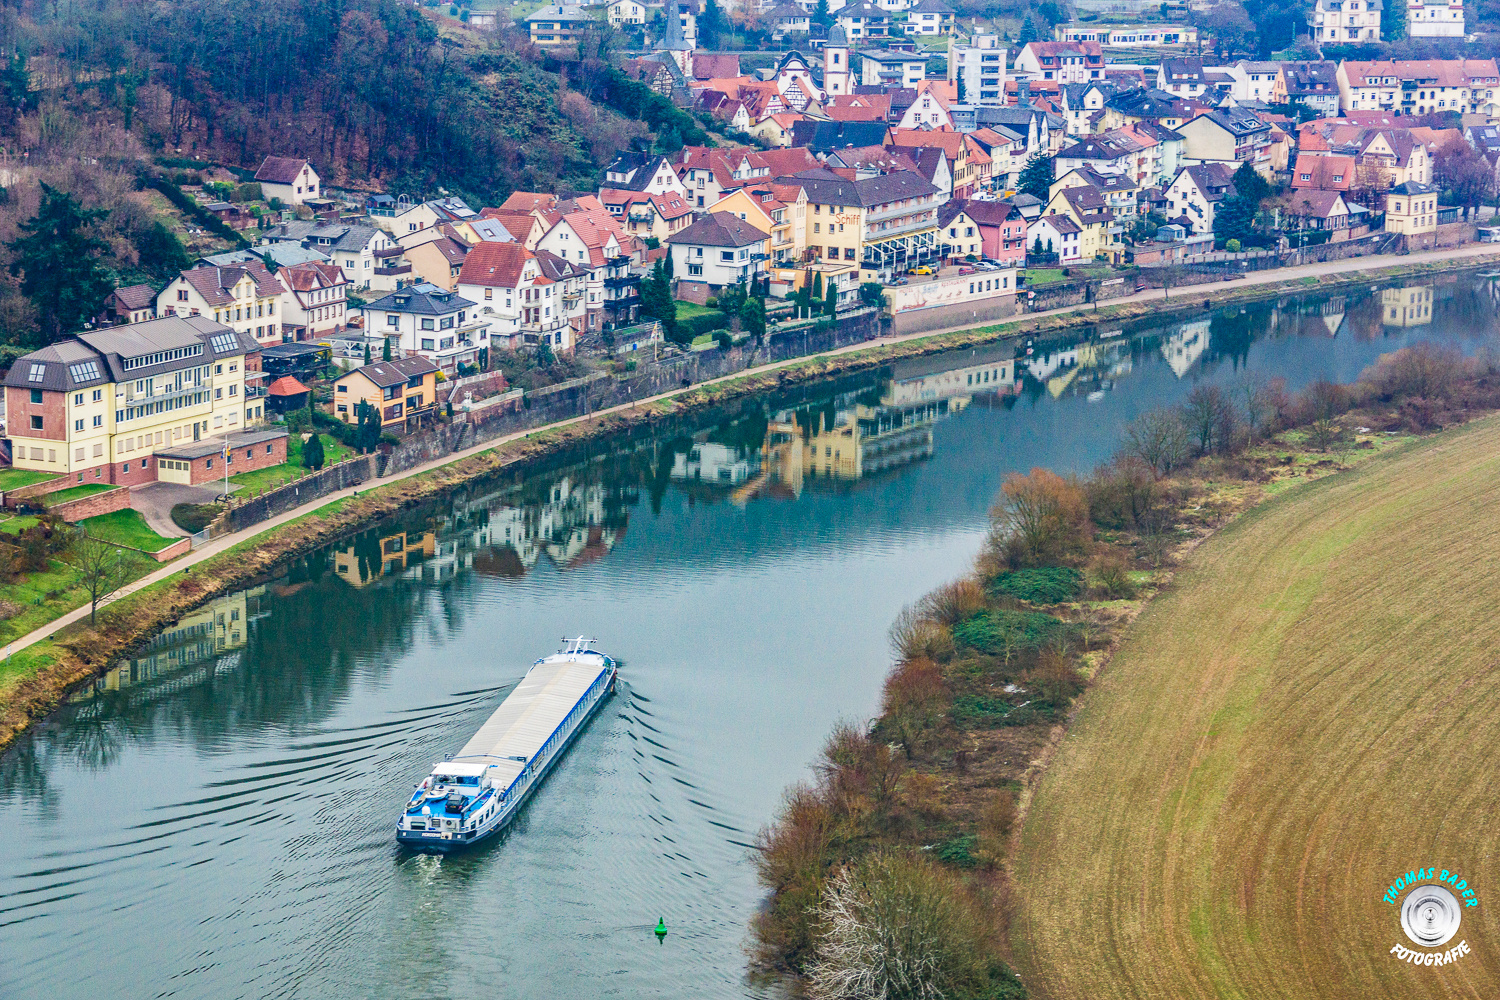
{"x": 98, "y": 404}
{"x": 1089, "y": 209}
{"x": 393, "y": 554}
{"x": 1411, "y": 209}
{"x": 883, "y": 224}
{"x": 399, "y": 390}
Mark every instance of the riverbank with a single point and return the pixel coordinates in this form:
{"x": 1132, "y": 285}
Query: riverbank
{"x": 67, "y": 653}
{"x": 988, "y": 669}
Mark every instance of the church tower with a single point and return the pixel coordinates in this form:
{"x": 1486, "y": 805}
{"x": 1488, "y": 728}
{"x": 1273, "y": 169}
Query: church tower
{"x": 836, "y": 81}
{"x": 674, "y": 43}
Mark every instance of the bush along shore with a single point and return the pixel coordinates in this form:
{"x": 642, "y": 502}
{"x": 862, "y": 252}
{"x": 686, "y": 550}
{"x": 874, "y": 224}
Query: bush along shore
{"x": 887, "y": 872}
{"x": 35, "y": 679}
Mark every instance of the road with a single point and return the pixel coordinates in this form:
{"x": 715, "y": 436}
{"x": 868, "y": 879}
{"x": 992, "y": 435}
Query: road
{"x": 218, "y": 545}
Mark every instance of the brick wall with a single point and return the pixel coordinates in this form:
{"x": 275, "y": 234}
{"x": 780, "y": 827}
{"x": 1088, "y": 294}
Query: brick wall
{"x": 19, "y": 409}
{"x": 247, "y": 458}
{"x": 100, "y": 503}
{"x": 180, "y": 547}
{"x": 134, "y": 471}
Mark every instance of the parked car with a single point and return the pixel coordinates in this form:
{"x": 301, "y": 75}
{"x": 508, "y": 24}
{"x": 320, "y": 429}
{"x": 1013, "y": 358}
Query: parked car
{"x": 924, "y": 269}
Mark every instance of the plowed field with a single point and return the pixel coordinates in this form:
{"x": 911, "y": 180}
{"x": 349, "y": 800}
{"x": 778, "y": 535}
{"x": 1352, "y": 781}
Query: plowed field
{"x": 1312, "y": 711}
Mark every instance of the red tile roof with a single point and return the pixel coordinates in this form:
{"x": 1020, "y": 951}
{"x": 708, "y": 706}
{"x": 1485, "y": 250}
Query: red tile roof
{"x": 497, "y": 265}
{"x": 286, "y": 386}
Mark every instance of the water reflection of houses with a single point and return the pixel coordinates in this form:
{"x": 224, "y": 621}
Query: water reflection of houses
{"x": 394, "y": 554}
{"x": 1409, "y": 306}
{"x": 503, "y": 533}
{"x": 200, "y": 644}
{"x": 570, "y": 522}
{"x": 1185, "y": 345}
{"x": 858, "y": 435}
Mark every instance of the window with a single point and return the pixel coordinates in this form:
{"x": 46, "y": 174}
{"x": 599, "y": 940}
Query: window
{"x": 78, "y": 424}
{"x": 726, "y": 256}
{"x": 427, "y": 324}
{"x": 428, "y": 344}
{"x": 695, "y": 270}
{"x": 36, "y": 395}
{"x": 446, "y": 323}
{"x": 392, "y": 319}
{"x": 36, "y": 423}
{"x": 98, "y": 420}
{"x": 181, "y": 297}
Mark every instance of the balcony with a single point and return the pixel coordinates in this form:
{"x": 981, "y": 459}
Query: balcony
{"x": 388, "y": 272}
{"x": 620, "y": 281}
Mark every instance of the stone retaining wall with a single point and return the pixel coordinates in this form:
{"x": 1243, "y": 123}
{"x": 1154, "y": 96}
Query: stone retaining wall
{"x": 92, "y": 506}
{"x": 37, "y": 489}
{"x": 282, "y": 499}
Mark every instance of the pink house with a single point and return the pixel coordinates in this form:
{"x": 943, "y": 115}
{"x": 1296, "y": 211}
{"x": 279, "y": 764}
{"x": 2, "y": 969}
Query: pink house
{"x": 1003, "y": 229}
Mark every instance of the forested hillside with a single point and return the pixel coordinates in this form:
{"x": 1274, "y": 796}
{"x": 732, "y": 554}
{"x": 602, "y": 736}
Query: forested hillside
{"x": 368, "y": 89}
{"x": 95, "y": 96}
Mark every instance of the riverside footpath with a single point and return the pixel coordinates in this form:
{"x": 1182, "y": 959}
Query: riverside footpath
{"x": 1183, "y": 296}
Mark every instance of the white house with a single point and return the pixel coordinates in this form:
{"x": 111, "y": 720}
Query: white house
{"x": 1196, "y": 193}
{"x": 513, "y": 294}
{"x": 424, "y": 319}
{"x": 1345, "y": 21}
{"x": 245, "y": 297}
{"x": 1434, "y": 18}
{"x": 358, "y": 249}
{"x": 719, "y": 249}
{"x": 1057, "y": 234}
{"x": 882, "y": 67}
{"x": 316, "y": 300}
{"x": 291, "y": 180}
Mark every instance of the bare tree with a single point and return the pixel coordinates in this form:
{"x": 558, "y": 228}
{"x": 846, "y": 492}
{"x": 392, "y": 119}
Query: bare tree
{"x": 896, "y": 926}
{"x": 101, "y": 568}
{"x": 1209, "y": 419}
{"x": 1159, "y": 439}
{"x": 1255, "y": 400}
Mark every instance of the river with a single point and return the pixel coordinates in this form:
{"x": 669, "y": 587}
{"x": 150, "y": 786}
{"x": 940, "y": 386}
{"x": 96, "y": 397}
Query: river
{"x": 214, "y": 817}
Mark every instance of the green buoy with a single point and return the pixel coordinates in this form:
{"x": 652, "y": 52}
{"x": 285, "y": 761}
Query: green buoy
{"x": 661, "y": 930}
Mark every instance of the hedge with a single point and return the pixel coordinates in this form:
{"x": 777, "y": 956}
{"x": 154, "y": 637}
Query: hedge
{"x": 696, "y": 326}
{"x": 997, "y": 632}
{"x": 1047, "y": 585}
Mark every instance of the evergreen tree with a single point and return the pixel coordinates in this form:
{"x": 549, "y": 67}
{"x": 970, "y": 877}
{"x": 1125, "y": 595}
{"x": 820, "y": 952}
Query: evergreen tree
{"x": 161, "y": 253}
{"x": 817, "y": 288}
{"x": 831, "y": 303}
{"x": 710, "y": 25}
{"x": 1393, "y": 21}
{"x": 657, "y": 302}
{"x": 1235, "y": 219}
{"x": 57, "y": 257}
{"x": 1036, "y": 246}
{"x": 1028, "y": 30}
{"x": 312, "y": 453}
{"x": 821, "y": 15}
{"x": 385, "y": 352}
{"x": 367, "y": 352}
{"x": 753, "y": 317}
{"x": 1250, "y": 184}
{"x": 1036, "y": 177}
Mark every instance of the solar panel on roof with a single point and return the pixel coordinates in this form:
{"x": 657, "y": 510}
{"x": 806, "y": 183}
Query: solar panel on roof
{"x": 224, "y": 343}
